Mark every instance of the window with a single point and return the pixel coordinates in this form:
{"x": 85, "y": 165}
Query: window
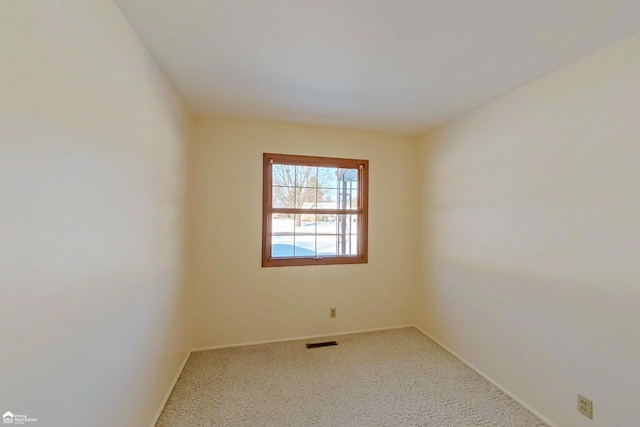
{"x": 314, "y": 210}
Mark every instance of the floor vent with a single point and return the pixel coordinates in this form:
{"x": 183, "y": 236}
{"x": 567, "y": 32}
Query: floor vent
{"x": 322, "y": 344}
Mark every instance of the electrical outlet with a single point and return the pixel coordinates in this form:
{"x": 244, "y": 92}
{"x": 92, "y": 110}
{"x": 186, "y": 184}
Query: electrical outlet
{"x": 585, "y": 406}
{"x": 332, "y": 312}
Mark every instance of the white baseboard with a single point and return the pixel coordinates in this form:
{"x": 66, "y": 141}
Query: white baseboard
{"x": 173, "y": 384}
{"x": 486, "y": 377}
{"x": 307, "y": 337}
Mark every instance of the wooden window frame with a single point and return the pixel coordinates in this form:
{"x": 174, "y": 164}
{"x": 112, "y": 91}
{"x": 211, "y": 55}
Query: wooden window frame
{"x": 269, "y": 159}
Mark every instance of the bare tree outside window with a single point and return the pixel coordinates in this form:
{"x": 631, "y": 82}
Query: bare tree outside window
{"x": 302, "y": 186}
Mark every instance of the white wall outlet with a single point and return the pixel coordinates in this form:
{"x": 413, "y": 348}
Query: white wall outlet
{"x": 585, "y": 406}
{"x": 332, "y": 312}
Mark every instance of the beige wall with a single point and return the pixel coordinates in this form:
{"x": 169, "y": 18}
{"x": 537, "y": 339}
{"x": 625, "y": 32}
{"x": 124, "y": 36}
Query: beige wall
{"x": 236, "y": 300}
{"x": 92, "y": 175}
{"x": 531, "y": 239}
{"x": 511, "y": 235}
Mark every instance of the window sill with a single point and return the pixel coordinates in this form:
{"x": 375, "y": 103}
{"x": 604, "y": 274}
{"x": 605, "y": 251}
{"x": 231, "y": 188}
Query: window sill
{"x": 329, "y": 260}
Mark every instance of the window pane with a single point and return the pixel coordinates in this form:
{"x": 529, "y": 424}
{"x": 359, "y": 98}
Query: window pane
{"x": 337, "y": 235}
{"x": 328, "y": 198}
{"x": 327, "y": 245}
{"x": 305, "y": 236}
{"x": 282, "y": 235}
{"x": 306, "y": 176}
{"x": 339, "y": 191}
{"x": 310, "y": 235}
{"x": 347, "y": 235}
{"x": 348, "y": 188}
{"x": 347, "y": 175}
{"x": 306, "y": 197}
{"x": 351, "y": 245}
{"x": 294, "y": 197}
{"x": 328, "y": 177}
{"x": 283, "y": 197}
{"x": 327, "y": 237}
{"x": 327, "y": 224}
{"x": 344, "y": 224}
{"x": 283, "y": 175}
{"x": 354, "y": 195}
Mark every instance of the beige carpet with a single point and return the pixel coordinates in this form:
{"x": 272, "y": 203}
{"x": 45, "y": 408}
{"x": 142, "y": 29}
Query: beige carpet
{"x": 390, "y": 378}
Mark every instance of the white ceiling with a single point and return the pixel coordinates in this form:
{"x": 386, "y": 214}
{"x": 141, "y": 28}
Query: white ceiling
{"x": 393, "y": 65}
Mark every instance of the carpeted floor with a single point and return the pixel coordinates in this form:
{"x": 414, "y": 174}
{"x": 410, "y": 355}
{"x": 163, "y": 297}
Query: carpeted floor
{"x": 397, "y": 377}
